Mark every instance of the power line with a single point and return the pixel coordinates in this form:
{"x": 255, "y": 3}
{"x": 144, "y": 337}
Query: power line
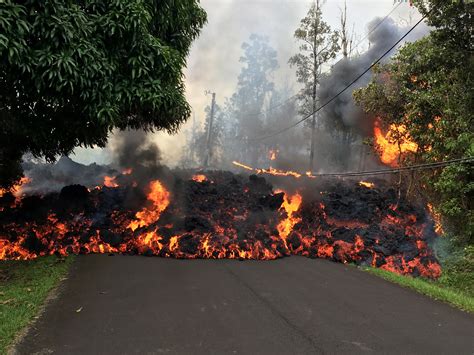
{"x": 343, "y": 90}
{"x": 383, "y": 171}
{"x": 405, "y": 168}
{"x": 255, "y": 114}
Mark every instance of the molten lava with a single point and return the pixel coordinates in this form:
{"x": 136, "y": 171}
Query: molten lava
{"x": 233, "y": 217}
{"x": 393, "y": 144}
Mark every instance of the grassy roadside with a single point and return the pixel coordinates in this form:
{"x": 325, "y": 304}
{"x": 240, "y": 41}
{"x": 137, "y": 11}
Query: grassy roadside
{"x": 24, "y": 286}
{"x": 438, "y": 290}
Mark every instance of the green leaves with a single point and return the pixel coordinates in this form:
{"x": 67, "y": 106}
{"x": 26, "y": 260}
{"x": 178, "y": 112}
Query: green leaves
{"x": 71, "y": 71}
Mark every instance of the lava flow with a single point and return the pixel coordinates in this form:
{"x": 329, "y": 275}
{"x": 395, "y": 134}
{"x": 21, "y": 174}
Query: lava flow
{"x": 222, "y": 215}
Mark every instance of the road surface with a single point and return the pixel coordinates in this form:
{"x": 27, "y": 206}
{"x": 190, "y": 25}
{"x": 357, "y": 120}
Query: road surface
{"x": 132, "y": 304}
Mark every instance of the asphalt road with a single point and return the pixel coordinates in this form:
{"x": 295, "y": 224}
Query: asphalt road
{"x": 291, "y": 306}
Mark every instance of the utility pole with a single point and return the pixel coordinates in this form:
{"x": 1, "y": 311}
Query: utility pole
{"x": 193, "y": 140}
{"x": 208, "y": 156}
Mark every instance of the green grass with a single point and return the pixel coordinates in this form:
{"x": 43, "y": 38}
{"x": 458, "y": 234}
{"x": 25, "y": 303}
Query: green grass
{"x": 24, "y": 286}
{"x": 443, "y": 289}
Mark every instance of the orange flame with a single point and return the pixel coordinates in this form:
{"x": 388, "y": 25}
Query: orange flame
{"x": 160, "y": 197}
{"x": 275, "y": 172}
{"x": 236, "y": 163}
{"x": 199, "y": 178}
{"x": 17, "y": 188}
{"x": 367, "y": 184}
{"x": 291, "y": 204}
{"x": 389, "y": 147}
{"x": 436, "y": 218}
{"x": 272, "y": 154}
{"x": 109, "y": 181}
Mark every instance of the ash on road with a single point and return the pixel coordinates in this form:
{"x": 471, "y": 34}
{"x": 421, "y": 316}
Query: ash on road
{"x": 289, "y": 306}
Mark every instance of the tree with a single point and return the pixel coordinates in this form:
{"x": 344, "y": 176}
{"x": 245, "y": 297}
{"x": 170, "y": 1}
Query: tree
{"x": 427, "y": 88}
{"x": 346, "y": 37}
{"x": 253, "y": 88}
{"x": 319, "y": 45}
{"x": 71, "y": 71}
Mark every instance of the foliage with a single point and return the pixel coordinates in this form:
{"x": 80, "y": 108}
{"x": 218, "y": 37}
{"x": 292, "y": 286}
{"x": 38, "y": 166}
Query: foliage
{"x": 24, "y": 286}
{"x": 428, "y": 89}
{"x": 458, "y": 269}
{"x": 319, "y": 44}
{"x": 71, "y": 71}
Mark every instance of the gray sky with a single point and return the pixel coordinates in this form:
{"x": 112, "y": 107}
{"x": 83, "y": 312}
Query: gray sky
{"x": 214, "y": 65}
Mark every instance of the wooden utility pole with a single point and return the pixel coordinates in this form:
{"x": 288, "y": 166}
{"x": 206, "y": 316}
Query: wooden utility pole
{"x": 208, "y": 155}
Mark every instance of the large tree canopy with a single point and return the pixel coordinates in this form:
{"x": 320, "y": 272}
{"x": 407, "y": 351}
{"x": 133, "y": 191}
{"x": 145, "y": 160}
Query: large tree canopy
{"x": 70, "y": 71}
{"x": 428, "y": 89}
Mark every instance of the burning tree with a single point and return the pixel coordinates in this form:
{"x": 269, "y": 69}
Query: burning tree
{"x": 72, "y": 71}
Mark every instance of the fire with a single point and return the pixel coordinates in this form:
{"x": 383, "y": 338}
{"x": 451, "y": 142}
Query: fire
{"x": 236, "y": 163}
{"x": 199, "y": 178}
{"x": 272, "y": 154}
{"x": 275, "y": 172}
{"x": 109, "y": 181}
{"x": 393, "y": 144}
{"x": 291, "y": 204}
{"x": 367, "y": 184}
{"x": 17, "y": 188}
{"x": 436, "y": 218}
{"x": 160, "y": 197}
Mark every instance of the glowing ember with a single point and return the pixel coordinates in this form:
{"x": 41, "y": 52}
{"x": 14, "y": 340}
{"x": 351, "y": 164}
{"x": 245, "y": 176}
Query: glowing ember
{"x": 369, "y": 185}
{"x": 199, "y": 178}
{"x": 393, "y": 144}
{"x": 160, "y": 197}
{"x": 109, "y": 181}
{"x": 128, "y": 171}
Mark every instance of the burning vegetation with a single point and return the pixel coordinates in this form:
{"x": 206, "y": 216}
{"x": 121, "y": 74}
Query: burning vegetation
{"x": 221, "y": 215}
{"x": 393, "y": 144}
